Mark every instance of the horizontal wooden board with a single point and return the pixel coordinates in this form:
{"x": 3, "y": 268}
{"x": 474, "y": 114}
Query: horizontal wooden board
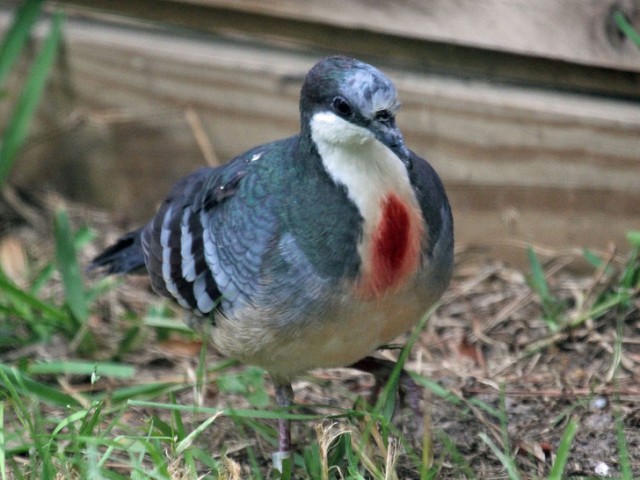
{"x": 432, "y": 46}
{"x": 522, "y": 163}
{"x": 579, "y": 31}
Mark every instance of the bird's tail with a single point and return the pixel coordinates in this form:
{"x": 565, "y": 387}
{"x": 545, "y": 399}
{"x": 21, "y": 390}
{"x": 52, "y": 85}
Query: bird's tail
{"x": 124, "y": 256}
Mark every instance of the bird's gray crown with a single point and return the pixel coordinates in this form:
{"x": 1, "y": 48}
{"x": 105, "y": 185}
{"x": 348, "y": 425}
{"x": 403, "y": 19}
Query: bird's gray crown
{"x": 366, "y": 88}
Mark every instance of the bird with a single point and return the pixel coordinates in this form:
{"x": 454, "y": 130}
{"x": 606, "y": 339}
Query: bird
{"x": 311, "y": 251}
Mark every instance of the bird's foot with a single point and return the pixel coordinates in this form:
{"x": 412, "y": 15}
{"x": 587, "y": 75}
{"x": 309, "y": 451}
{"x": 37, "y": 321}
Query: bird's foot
{"x": 278, "y": 459}
{"x": 284, "y": 398}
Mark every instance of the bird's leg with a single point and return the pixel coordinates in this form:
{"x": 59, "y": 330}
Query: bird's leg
{"x": 284, "y": 398}
{"x": 381, "y": 369}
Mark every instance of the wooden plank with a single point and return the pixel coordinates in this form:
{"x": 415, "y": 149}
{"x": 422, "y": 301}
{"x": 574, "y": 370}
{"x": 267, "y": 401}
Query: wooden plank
{"x": 524, "y": 163}
{"x": 579, "y": 31}
{"x": 545, "y": 139}
{"x": 270, "y": 27}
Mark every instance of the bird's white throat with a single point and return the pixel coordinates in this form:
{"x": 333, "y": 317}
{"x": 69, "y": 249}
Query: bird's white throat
{"x": 353, "y": 157}
{"x": 371, "y": 174}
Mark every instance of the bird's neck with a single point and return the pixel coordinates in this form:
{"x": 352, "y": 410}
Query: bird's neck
{"x": 377, "y": 183}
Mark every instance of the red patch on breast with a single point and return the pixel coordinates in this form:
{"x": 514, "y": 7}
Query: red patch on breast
{"x": 395, "y": 247}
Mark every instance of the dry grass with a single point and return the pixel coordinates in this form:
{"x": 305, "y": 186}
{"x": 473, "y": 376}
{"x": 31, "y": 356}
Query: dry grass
{"x": 487, "y": 346}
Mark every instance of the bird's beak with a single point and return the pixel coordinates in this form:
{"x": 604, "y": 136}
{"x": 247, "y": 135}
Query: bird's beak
{"x": 391, "y": 136}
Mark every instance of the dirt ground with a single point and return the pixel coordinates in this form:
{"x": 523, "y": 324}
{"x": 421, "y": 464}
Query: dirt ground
{"x": 483, "y": 339}
{"x": 487, "y": 337}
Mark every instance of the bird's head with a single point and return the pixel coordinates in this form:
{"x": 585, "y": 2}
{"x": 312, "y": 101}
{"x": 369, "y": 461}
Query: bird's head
{"x": 348, "y": 102}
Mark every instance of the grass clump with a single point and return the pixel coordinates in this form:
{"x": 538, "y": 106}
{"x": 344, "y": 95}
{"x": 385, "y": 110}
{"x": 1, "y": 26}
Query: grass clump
{"x": 24, "y": 108}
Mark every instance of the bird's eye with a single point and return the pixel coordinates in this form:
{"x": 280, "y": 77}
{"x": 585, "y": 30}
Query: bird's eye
{"x": 384, "y": 116}
{"x": 341, "y": 107}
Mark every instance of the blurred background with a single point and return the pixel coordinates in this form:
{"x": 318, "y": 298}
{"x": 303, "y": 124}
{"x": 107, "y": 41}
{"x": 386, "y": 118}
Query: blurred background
{"x": 530, "y": 115}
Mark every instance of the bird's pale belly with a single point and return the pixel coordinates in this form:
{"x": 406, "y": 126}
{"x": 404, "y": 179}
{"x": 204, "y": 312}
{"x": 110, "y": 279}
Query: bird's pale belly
{"x": 348, "y": 333}
{"x": 355, "y": 332}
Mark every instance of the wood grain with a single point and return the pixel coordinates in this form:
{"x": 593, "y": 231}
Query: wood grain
{"x": 510, "y": 55}
{"x": 532, "y": 164}
{"x": 578, "y": 31}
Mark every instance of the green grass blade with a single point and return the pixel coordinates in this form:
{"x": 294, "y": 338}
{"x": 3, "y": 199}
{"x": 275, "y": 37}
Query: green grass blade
{"x": 67, "y": 263}
{"x": 386, "y": 402}
{"x": 633, "y": 238}
{"x": 457, "y": 458}
{"x": 507, "y": 462}
{"x": 600, "y": 309}
{"x": 626, "y": 27}
{"x": 624, "y": 460}
{"x": 595, "y": 260}
{"x": 90, "y": 423}
{"x": 3, "y": 472}
{"x": 241, "y": 413}
{"x": 552, "y": 308}
{"x": 18, "y": 126}
{"x": 564, "y": 448}
{"x": 20, "y": 296}
{"x": 188, "y": 440}
{"x": 78, "y": 367}
{"x": 591, "y": 257}
{"x": 12, "y": 378}
{"x": 65, "y": 422}
{"x": 178, "y": 424}
{"x": 454, "y": 399}
{"x": 144, "y": 390}
{"x": 155, "y": 321}
{"x": 17, "y": 35}
{"x": 45, "y": 274}
{"x": 631, "y": 273}
{"x": 537, "y": 279}
{"x": 206, "y": 459}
